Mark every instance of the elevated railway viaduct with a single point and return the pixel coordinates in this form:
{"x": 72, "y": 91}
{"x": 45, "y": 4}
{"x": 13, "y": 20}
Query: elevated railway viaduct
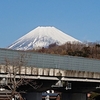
{"x": 73, "y": 76}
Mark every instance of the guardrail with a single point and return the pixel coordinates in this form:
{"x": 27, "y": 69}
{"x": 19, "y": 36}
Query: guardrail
{"x": 39, "y": 60}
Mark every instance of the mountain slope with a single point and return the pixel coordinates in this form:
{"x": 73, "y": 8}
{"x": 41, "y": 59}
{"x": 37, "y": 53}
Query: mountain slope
{"x": 41, "y": 37}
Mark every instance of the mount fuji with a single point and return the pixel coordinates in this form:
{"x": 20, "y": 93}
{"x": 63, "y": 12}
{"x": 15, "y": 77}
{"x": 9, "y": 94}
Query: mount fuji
{"x": 41, "y": 37}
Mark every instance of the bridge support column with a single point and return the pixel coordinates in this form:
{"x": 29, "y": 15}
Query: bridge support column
{"x": 74, "y": 96}
{"x": 33, "y": 96}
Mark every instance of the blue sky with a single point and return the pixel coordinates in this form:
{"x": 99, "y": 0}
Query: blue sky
{"x": 78, "y": 18}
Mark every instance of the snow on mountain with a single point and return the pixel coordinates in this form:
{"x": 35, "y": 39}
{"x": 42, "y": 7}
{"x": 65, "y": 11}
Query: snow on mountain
{"x": 41, "y": 37}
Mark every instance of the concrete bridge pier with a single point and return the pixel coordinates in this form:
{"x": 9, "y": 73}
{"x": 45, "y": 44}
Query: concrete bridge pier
{"x": 74, "y": 96}
{"x": 33, "y": 96}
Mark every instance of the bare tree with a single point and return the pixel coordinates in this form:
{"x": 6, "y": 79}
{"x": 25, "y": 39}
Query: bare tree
{"x": 15, "y": 69}
{"x": 14, "y": 80}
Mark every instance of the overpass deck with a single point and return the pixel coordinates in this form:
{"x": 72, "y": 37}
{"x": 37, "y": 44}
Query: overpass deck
{"x": 77, "y": 70}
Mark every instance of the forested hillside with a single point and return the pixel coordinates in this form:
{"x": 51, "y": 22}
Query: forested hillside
{"x": 90, "y": 50}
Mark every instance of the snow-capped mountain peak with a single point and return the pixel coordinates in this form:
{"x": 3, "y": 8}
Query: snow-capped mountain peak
{"x": 41, "y": 37}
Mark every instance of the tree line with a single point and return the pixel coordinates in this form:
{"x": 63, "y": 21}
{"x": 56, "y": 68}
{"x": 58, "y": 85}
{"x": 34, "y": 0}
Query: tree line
{"x": 86, "y": 49}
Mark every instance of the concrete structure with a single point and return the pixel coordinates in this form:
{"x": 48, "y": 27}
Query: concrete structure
{"x": 52, "y": 72}
{"x": 74, "y": 96}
